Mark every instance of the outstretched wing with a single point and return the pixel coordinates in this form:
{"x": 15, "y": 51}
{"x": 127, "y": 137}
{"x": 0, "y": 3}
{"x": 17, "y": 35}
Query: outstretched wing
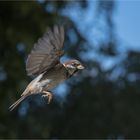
{"x": 46, "y": 52}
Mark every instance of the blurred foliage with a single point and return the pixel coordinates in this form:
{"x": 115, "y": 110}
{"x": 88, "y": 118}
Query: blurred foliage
{"x": 100, "y": 104}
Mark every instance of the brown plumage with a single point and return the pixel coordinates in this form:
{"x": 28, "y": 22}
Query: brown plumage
{"x": 43, "y": 62}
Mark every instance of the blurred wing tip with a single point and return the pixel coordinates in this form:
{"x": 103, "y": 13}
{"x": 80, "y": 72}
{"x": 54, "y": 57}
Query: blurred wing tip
{"x": 58, "y": 27}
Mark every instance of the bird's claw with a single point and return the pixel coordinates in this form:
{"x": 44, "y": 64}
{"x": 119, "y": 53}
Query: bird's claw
{"x": 48, "y": 95}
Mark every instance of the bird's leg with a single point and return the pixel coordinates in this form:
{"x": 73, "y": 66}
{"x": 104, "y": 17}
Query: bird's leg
{"x": 48, "y": 94}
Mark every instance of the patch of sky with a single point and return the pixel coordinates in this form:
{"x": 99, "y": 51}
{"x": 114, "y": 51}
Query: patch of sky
{"x": 127, "y": 19}
{"x": 61, "y": 90}
{"x": 72, "y": 36}
{"x": 82, "y": 17}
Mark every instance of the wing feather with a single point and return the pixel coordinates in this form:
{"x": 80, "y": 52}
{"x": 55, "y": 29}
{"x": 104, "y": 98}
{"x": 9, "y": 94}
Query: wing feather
{"x": 46, "y": 52}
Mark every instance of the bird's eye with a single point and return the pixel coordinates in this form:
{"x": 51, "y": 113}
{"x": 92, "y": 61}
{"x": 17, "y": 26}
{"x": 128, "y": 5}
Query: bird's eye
{"x": 75, "y": 64}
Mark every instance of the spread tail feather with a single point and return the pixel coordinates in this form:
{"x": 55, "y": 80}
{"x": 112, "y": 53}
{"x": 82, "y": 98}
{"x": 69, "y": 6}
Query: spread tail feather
{"x": 23, "y": 96}
{"x": 17, "y": 103}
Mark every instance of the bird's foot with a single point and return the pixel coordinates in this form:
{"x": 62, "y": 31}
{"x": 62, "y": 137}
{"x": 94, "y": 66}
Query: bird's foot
{"x": 48, "y": 94}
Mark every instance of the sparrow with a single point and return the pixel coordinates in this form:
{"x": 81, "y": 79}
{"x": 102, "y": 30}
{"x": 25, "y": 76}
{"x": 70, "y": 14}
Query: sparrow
{"x": 44, "y": 64}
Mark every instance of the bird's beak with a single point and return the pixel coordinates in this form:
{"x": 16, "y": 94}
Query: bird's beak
{"x": 80, "y": 67}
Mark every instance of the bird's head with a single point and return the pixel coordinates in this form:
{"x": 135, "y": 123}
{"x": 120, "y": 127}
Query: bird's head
{"x": 73, "y": 66}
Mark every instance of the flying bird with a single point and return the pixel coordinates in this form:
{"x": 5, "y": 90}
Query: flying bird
{"x": 44, "y": 63}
